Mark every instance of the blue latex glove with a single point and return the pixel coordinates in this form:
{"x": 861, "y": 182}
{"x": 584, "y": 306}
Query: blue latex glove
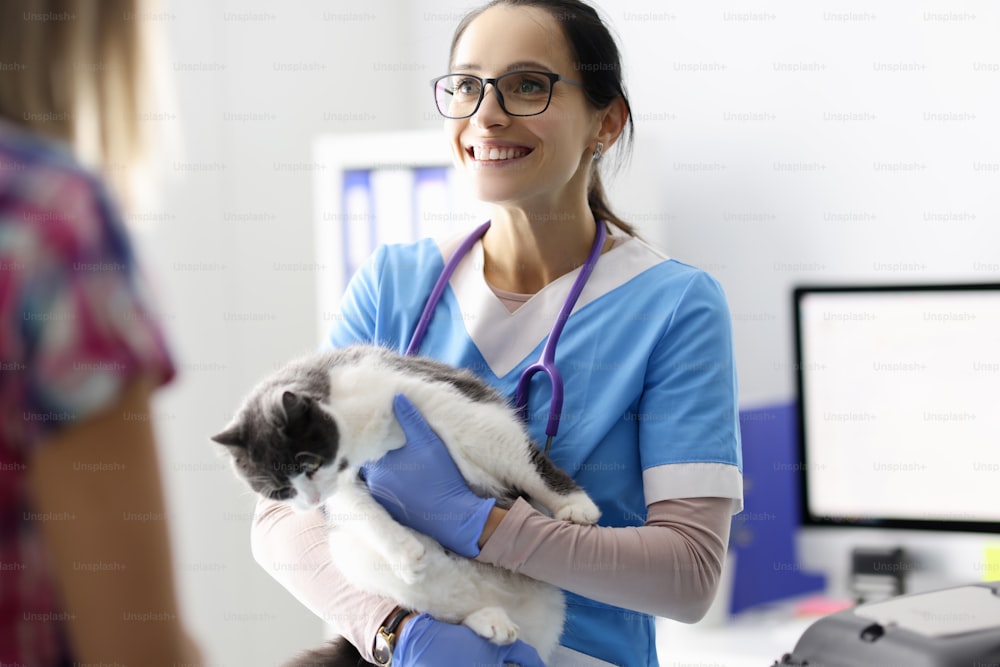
{"x": 426, "y": 642}
{"x": 421, "y": 487}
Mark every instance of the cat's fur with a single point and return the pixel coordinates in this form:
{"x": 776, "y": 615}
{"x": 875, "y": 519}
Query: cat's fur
{"x": 303, "y": 433}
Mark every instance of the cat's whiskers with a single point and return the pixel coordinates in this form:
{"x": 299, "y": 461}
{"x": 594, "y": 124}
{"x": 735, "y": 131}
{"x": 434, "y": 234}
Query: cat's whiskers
{"x": 249, "y": 492}
{"x": 260, "y": 479}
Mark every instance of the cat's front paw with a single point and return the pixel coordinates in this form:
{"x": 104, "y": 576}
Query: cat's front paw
{"x": 411, "y": 562}
{"x": 578, "y": 508}
{"x": 492, "y": 623}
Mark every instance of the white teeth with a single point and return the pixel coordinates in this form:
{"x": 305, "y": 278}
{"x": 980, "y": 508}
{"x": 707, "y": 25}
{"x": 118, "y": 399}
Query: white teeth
{"x": 484, "y": 153}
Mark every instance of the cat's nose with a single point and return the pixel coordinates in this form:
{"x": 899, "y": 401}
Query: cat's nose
{"x": 306, "y": 499}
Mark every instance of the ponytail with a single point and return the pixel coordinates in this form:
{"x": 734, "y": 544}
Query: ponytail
{"x": 598, "y": 203}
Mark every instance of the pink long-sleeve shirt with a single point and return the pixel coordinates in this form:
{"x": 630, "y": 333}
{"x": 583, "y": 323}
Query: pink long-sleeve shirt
{"x": 668, "y": 567}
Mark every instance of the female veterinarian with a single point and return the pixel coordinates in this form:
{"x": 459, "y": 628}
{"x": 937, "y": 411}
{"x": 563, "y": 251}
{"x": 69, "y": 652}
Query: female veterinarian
{"x": 648, "y": 420}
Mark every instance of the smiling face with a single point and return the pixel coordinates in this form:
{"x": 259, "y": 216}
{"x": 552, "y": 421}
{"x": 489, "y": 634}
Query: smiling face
{"x": 537, "y": 162}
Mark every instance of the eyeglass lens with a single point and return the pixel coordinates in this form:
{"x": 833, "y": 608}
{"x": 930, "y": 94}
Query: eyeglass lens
{"x": 520, "y": 94}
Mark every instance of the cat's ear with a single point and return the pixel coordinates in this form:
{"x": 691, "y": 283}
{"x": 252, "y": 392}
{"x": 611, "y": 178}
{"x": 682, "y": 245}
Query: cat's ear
{"x": 232, "y": 436}
{"x": 296, "y": 407}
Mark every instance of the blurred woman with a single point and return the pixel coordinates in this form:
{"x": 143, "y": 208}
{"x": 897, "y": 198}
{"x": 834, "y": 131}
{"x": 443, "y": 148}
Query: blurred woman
{"x": 85, "y": 561}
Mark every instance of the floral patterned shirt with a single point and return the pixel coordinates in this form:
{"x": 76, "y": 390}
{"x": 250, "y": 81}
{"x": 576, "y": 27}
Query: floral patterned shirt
{"x": 75, "y": 329}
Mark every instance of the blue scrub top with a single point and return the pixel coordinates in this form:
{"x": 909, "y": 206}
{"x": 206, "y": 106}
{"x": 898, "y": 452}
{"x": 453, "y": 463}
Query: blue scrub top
{"x": 650, "y": 402}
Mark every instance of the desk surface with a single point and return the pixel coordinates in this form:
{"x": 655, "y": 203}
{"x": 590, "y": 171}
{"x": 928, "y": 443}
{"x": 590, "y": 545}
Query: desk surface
{"x": 753, "y": 639}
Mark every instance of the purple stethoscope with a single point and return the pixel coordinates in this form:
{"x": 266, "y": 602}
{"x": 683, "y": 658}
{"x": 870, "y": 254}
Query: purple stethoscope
{"x": 546, "y": 362}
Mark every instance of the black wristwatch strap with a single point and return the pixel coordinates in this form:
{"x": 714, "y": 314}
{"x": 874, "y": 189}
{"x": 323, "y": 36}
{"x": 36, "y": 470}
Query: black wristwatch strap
{"x": 385, "y": 639}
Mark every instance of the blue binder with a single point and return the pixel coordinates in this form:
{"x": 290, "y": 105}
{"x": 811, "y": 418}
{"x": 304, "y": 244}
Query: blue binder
{"x": 763, "y": 535}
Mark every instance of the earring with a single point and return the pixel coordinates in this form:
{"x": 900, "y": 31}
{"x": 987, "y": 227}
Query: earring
{"x": 598, "y": 151}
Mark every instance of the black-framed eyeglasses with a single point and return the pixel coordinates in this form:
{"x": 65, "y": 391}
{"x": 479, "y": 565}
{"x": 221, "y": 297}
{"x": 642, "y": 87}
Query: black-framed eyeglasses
{"x": 525, "y": 93}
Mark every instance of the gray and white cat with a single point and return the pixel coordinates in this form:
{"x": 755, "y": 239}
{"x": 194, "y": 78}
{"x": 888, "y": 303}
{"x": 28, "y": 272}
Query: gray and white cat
{"x": 302, "y": 434}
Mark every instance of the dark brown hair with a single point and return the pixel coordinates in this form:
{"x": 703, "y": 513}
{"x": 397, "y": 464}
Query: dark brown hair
{"x": 599, "y": 67}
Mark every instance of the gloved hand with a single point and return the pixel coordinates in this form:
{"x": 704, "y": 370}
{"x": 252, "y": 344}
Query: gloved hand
{"x": 421, "y": 487}
{"x": 427, "y": 642}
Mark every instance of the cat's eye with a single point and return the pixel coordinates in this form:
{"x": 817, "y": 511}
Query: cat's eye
{"x": 309, "y": 466}
{"x": 284, "y": 493}
{"x": 308, "y": 462}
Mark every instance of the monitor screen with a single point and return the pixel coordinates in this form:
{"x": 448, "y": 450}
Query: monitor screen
{"x": 372, "y": 188}
{"x": 899, "y": 405}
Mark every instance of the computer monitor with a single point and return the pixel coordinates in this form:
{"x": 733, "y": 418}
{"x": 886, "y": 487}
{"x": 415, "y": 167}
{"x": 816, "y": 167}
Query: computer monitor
{"x": 381, "y": 187}
{"x": 899, "y": 419}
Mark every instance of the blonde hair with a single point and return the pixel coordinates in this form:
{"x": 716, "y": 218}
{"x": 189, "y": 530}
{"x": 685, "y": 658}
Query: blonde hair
{"x": 80, "y": 72}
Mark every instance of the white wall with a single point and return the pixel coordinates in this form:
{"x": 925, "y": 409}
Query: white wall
{"x": 232, "y": 254}
{"x": 773, "y": 147}
{"x": 818, "y": 142}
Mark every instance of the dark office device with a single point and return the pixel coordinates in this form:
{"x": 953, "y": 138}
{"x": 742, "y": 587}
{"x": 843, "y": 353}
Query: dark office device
{"x": 952, "y": 627}
{"x": 878, "y": 573}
